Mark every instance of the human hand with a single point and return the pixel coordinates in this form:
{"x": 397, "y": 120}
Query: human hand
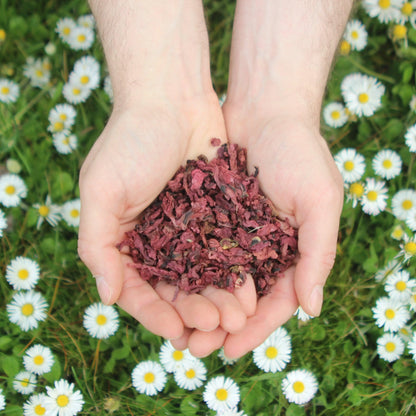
{"x": 135, "y": 156}
{"x": 297, "y": 172}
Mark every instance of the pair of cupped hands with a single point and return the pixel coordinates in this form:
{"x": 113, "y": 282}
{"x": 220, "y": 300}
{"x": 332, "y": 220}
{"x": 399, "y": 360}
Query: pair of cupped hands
{"x": 139, "y": 151}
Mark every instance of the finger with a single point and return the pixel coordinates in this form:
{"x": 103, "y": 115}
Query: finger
{"x": 140, "y": 300}
{"x": 247, "y": 296}
{"x": 201, "y": 344}
{"x": 317, "y": 240}
{"x": 232, "y": 316}
{"x": 195, "y": 310}
{"x": 273, "y": 310}
{"x": 181, "y": 343}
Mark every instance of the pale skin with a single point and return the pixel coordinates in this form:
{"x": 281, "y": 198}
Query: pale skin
{"x": 165, "y": 112}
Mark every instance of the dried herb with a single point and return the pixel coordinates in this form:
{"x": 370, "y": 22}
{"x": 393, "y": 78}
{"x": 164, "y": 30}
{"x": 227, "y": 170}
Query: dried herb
{"x": 211, "y": 225}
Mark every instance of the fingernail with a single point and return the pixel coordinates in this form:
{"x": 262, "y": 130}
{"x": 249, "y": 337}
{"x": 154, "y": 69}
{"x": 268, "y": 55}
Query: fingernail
{"x": 316, "y": 299}
{"x": 104, "y": 289}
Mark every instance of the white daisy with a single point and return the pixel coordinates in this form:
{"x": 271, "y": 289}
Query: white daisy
{"x": 75, "y": 93}
{"x": 375, "y": 197}
{"x": 412, "y": 301}
{"x": 22, "y": 273}
{"x": 351, "y": 164}
{"x": 191, "y": 375}
{"x": 407, "y": 248}
{"x": 412, "y": 346}
{"x": 387, "y": 164}
{"x": 35, "y": 405}
{"x": 61, "y": 118}
{"x": 390, "y": 314}
{"x": 410, "y": 138}
{"x": 274, "y": 353}
{"x": 403, "y": 203}
{"x": 12, "y": 190}
{"x": 65, "y": 144}
{"x": 407, "y": 12}
{"x": 101, "y": 321}
{"x": 391, "y": 267}
{"x": 2, "y": 400}
{"x": 411, "y": 220}
{"x": 86, "y": 72}
{"x": 9, "y": 91}
{"x": 47, "y": 211}
{"x": 38, "y": 71}
{"x": 362, "y": 94}
{"x": 299, "y": 386}
{"x": 62, "y": 400}
{"x": 87, "y": 20}
{"x": 356, "y": 34}
{"x": 225, "y": 360}
{"x": 405, "y": 333}
{"x": 173, "y": 359}
{"x": 26, "y": 309}
{"x": 81, "y": 38}
{"x": 390, "y": 347}
{"x": 397, "y": 233}
{"x": 149, "y": 377}
{"x": 3, "y": 222}
{"x": 302, "y": 315}
{"x": 108, "y": 88}
{"x": 50, "y": 49}
{"x": 70, "y": 212}
{"x": 65, "y": 27}
{"x": 384, "y": 10}
{"x": 334, "y": 114}
{"x": 13, "y": 166}
{"x": 38, "y": 359}
{"x": 221, "y": 393}
{"x": 399, "y": 286}
{"x": 354, "y": 192}
{"x": 25, "y": 382}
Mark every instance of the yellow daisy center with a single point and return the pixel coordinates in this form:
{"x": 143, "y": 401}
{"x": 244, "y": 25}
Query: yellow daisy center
{"x": 66, "y": 30}
{"x": 384, "y": 4}
{"x": 85, "y": 79}
{"x": 39, "y": 73}
{"x": 344, "y": 47}
{"x": 63, "y": 116}
{"x": 410, "y": 248}
{"x": 400, "y": 286}
{"x": 177, "y": 355}
{"x": 387, "y": 164}
{"x": 58, "y": 126}
{"x": 101, "y": 319}
{"x": 372, "y": 196}
{"x": 27, "y": 309}
{"x": 404, "y": 331}
{"x": 74, "y": 213}
{"x": 335, "y": 114}
{"x": 10, "y": 190}
{"x": 363, "y": 98}
{"x": 76, "y": 91}
{"x": 399, "y": 31}
{"x": 389, "y": 314}
{"x": 65, "y": 141}
{"x": 24, "y": 382}
{"x": 23, "y": 274}
{"x": 39, "y": 409}
{"x": 81, "y": 38}
{"x": 38, "y": 360}
{"x": 390, "y": 346}
{"x": 43, "y": 210}
{"x": 221, "y": 394}
{"x": 149, "y": 378}
{"x": 47, "y": 65}
{"x": 5, "y": 90}
{"x": 2, "y": 35}
{"x": 271, "y": 352}
{"x": 349, "y": 165}
{"x": 62, "y": 400}
{"x": 298, "y": 387}
{"x": 190, "y": 373}
{"x": 397, "y": 233}
{"x": 407, "y": 204}
{"x": 407, "y": 9}
{"x": 355, "y": 34}
{"x": 357, "y": 189}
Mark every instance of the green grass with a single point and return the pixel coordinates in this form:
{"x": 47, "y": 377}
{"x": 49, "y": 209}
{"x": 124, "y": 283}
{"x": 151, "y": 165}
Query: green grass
{"x": 339, "y": 347}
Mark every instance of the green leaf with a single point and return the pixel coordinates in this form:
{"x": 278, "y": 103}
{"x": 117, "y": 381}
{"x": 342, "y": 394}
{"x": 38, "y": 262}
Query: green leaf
{"x": 63, "y": 183}
{"x": 109, "y": 366}
{"x": 407, "y": 72}
{"x": 55, "y": 373}
{"x": 5, "y": 341}
{"x": 318, "y": 333}
{"x": 10, "y": 364}
{"x": 394, "y": 128}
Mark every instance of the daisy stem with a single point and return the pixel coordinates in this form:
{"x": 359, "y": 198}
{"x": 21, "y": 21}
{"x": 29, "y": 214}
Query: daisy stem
{"x": 96, "y": 360}
{"x": 367, "y": 71}
{"x": 409, "y": 170}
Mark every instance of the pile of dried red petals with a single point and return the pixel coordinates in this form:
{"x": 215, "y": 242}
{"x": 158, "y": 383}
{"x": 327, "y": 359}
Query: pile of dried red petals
{"x": 211, "y": 225}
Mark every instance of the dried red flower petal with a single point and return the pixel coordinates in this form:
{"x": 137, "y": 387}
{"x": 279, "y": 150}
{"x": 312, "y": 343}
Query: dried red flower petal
{"x": 211, "y": 225}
